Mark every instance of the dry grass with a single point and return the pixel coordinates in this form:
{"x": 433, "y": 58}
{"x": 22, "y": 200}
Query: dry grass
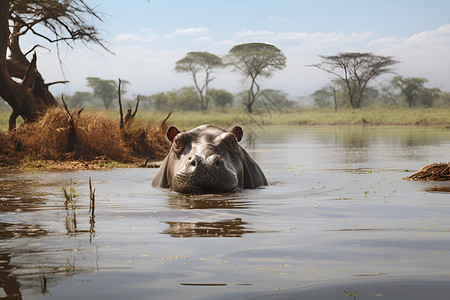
{"x": 97, "y": 139}
{"x": 432, "y": 172}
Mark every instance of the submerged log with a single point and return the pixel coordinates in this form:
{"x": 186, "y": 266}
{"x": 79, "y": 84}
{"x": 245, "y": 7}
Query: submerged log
{"x": 432, "y": 172}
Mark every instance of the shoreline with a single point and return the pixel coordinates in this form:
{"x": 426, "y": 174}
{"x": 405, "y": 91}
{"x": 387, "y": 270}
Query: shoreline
{"x": 379, "y": 116}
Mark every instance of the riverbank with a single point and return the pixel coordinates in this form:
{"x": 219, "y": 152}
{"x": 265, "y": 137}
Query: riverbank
{"x": 101, "y": 145}
{"x": 82, "y": 141}
{"x": 293, "y": 117}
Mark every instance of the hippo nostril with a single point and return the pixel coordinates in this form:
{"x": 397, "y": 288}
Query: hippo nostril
{"x": 215, "y": 160}
{"x": 192, "y": 160}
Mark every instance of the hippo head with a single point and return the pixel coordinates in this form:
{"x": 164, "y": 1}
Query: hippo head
{"x": 207, "y": 159}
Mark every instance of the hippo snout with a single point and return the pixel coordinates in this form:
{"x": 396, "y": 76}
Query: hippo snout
{"x": 213, "y": 161}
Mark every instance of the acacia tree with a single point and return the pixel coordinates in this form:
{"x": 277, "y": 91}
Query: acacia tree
{"x": 53, "y": 21}
{"x": 356, "y": 70}
{"x": 410, "y": 88}
{"x": 196, "y": 63}
{"x": 428, "y": 96}
{"x": 255, "y": 60}
{"x": 221, "y": 98}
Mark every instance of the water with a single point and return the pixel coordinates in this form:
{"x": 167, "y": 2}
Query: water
{"x": 336, "y": 222}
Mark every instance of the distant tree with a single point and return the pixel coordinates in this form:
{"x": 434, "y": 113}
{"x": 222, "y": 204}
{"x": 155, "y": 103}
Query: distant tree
{"x": 146, "y": 102}
{"x": 429, "y": 95}
{"x": 356, "y": 70}
{"x": 160, "y": 101}
{"x": 221, "y": 98}
{"x": 256, "y": 60}
{"x": 275, "y": 99}
{"x": 196, "y": 63}
{"x": 106, "y": 90}
{"x": 444, "y": 100}
{"x": 410, "y": 88}
{"x": 52, "y": 21}
{"x": 78, "y": 99}
{"x": 333, "y": 93}
{"x": 322, "y": 97}
{"x": 187, "y": 98}
{"x": 371, "y": 97}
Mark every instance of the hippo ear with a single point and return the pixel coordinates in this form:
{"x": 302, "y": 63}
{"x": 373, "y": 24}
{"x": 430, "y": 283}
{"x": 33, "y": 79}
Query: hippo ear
{"x": 253, "y": 175}
{"x": 160, "y": 179}
{"x": 238, "y": 132}
{"x": 172, "y": 132}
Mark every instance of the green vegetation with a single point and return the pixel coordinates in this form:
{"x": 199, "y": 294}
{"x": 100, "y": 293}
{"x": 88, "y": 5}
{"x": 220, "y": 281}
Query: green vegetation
{"x": 308, "y": 116}
{"x": 297, "y": 116}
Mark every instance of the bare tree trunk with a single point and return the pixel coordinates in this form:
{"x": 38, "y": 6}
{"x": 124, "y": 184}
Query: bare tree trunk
{"x": 252, "y": 96}
{"x": 333, "y": 90}
{"x": 29, "y": 98}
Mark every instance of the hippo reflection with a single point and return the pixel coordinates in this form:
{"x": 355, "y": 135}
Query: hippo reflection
{"x": 208, "y": 159}
{"x": 225, "y": 228}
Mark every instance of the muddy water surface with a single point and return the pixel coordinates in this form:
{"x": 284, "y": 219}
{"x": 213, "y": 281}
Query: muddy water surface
{"x": 336, "y": 222}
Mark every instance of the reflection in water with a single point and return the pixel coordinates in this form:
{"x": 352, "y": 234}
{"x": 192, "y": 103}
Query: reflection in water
{"x": 233, "y": 227}
{"x": 15, "y": 195}
{"x": 211, "y": 201}
{"x": 226, "y": 228}
{"x": 357, "y": 143}
{"x": 27, "y": 255}
{"x": 438, "y": 189}
{"x": 20, "y": 230}
{"x": 8, "y": 282}
{"x": 353, "y": 143}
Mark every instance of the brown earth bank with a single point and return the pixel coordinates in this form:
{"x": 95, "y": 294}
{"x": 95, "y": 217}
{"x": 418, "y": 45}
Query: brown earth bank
{"x": 64, "y": 141}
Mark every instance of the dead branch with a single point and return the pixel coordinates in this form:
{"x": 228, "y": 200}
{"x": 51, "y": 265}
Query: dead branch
{"x": 120, "y": 104}
{"x": 34, "y": 48}
{"x": 129, "y": 116}
{"x": 163, "y": 122}
{"x": 56, "y": 82}
{"x": 72, "y": 137}
{"x": 29, "y": 78}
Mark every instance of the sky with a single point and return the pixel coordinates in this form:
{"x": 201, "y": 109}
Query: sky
{"x": 148, "y": 37}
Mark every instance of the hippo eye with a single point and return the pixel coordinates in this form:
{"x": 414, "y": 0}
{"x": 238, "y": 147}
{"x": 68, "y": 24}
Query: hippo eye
{"x": 178, "y": 144}
{"x": 232, "y": 141}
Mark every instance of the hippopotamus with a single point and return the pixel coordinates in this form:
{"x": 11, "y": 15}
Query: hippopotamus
{"x": 207, "y": 159}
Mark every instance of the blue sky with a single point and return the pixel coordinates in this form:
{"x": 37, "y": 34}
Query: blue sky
{"x": 148, "y": 37}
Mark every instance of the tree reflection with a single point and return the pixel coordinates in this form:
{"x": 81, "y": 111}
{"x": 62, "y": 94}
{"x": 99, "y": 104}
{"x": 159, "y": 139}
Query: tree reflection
{"x": 28, "y": 259}
{"x": 8, "y": 281}
{"x": 225, "y": 228}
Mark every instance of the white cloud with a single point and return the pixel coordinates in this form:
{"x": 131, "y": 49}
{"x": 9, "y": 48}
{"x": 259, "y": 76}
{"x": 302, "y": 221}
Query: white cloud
{"x": 191, "y": 31}
{"x": 272, "y": 18}
{"x": 203, "y": 39}
{"x": 437, "y": 36}
{"x": 226, "y": 42}
{"x": 249, "y": 33}
{"x": 133, "y": 37}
